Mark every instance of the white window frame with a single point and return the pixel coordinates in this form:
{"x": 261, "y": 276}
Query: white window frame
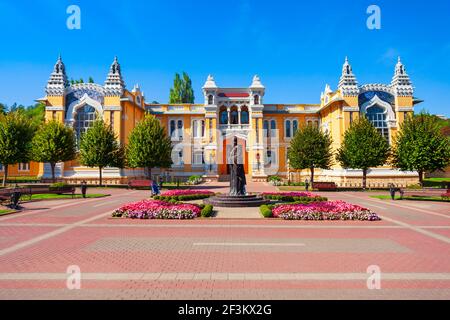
{"x": 291, "y": 127}
{"x": 201, "y": 128}
{"x": 177, "y": 135}
{"x": 24, "y": 166}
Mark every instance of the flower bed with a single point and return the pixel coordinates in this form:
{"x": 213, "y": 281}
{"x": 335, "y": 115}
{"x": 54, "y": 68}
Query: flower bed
{"x": 329, "y": 210}
{"x": 184, "y": 195}
{"x": 303, "y": 197}
{"x": 151, "y": 209}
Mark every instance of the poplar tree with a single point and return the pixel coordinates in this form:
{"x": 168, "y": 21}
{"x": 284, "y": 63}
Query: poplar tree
{"x": 363, "y": 148}
{"x": 182, "y": 91}
{"x": 53, "y": 143}
{"x": 149, "y": 146}
{"x": 16, "y": 132}
{"x": 421, "y": 145}
{"x": 309, "y": 149}
{"x": 100, "y": 148}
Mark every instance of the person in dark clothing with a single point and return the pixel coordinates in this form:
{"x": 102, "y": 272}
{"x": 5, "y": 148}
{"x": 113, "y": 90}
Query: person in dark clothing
{"x": 83, "y": 188}
{"x": 306, "y": 184}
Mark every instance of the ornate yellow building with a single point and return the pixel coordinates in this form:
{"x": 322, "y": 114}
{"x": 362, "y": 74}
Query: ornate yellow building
{"x": 202, "y": 133}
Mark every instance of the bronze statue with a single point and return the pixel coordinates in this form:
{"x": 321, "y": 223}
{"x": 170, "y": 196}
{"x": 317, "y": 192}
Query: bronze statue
{"x": 237, "y": 181}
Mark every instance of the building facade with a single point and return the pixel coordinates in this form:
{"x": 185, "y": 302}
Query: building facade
{"x": 202, "y": 133}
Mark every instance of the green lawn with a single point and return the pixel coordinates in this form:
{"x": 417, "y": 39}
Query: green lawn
{"x": 5, "y": 211}
{"x": 291, "y": 188}
{"x": 386, "y": 197}
{"x": 61, "y": 196}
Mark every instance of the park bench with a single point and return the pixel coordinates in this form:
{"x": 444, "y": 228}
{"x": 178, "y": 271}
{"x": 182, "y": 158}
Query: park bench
{"x": 47, "y": 190}
{"x": 325, "y": 186}
{"x": 139, "y": 184}
{"x": 10, "y": 197}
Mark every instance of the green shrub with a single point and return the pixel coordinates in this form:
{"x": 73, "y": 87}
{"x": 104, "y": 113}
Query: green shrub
{"x": 266, "y": 211}
{"x": 58, "y": 186}
{"x": 207, "y": 211}
{"x": 195, "y": 180}
{"x": 274, "y": 180}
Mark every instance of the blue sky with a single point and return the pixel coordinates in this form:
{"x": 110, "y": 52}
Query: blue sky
{"x": 295, "y": 46}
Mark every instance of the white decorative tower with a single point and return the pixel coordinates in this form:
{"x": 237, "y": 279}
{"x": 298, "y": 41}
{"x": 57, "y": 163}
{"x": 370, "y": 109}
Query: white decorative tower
{"x": 210, "y": 91}
{"x": 401, "y": 83}
{"x": 348, "y": 83}
{"x": 114, "y": 84}
{"x": 257, "y": 91}
{"x": 57, "y": 83}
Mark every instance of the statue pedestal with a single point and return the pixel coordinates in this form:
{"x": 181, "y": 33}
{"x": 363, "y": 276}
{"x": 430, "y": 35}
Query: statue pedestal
{"x": 226, "y": 201}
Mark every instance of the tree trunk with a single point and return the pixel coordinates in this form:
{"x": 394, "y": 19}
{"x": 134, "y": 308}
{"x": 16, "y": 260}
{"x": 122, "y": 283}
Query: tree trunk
{"x": 312, "y": 177}
{"x": 421, "y": 178}
{"x": 52, "y": 165}
{"x": 149, "y": 173}
{"x": 100, "y": 171}
{"x": 5, "y": 175}
{"x": 364, "y": 179}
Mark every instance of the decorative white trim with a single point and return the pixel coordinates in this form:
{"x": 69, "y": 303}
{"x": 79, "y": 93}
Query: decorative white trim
{"x": 112, "y": 108}
{"x": 405, "y": 109}
{"x": 351, "y": 109}
{"x": 377, "y": 101}
{"x": 85, "y": 100}
{"x": 54, "y": 108}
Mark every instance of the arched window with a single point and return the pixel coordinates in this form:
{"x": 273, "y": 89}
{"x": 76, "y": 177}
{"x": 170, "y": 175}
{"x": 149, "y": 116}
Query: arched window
{"x": 84, "y": 118}
{"x": 294, "y": 127}
{"x": 266, "y": 128}
{"x": 210, "y": 99}
{"x": 180, "y": 129}
{"x": 273, "y": 128}
{"x": 377, "y": 116}
{"x": 256, "y": 99}
{"x": 172, "y": 128}
{"x": 223, "y": 116}
{"x": 234, "y": 115}
{"x": 288, "y": 128}
{"x": 244, "y": 116}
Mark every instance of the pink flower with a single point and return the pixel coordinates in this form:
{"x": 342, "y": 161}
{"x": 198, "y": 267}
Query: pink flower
{"x": 152, "y": 209}
{"x": 328, "y": 210}
{"x": 291, "y": 194}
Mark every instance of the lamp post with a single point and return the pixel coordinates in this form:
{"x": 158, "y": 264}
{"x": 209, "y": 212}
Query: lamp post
{"x": 258, "y": 157}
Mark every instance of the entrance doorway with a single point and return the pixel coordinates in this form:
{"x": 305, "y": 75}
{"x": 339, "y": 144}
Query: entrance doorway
{"x": 224, "y": 168}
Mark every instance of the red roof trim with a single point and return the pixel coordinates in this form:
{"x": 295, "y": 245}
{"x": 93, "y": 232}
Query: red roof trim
{"x": 234, "y": 95}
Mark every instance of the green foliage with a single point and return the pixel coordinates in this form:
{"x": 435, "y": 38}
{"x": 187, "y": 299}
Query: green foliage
{"x": 16, "y": 132}
{"x": 195, "y": 179}
{"x": 182, "y": 91}
{"x": 274, "y": 180}
{"x": 53, "y": 143}
{"x": 266, "y": 211}
{"x": 363, "y": 147}
{"x": 149, "y": 146}
{"x": 310, "y": 148}
{"x": 421, "y": 146}
{"x": 207, "y": 211}
{"x": 91, "y": 80}
{"x": 99, "y": 148}
{"x": 59, "y": 185}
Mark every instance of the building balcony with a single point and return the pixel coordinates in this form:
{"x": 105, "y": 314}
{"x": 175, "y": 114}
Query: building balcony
{"x": 234, "y": 126}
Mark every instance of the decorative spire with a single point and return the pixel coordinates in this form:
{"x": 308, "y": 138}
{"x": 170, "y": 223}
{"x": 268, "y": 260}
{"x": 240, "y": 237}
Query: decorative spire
{"x": 401, "y": 83}
{"x": 114, "y": 84}
{"x": 57, "y": 83}
{"x": 348, "y": 83}
{"x": 210, "y": 83}
{"x": 256, "y": 83}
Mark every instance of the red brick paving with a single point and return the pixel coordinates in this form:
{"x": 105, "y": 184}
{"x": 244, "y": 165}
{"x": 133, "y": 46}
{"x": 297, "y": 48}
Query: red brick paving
{"x": 79, "y": 245}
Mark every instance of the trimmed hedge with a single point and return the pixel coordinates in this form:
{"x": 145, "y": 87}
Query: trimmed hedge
{"x": 182, "y": 198}
{"x": 207, "y": 211}
{"x": 303, "y": 200}
{"x": 266, "y": 211}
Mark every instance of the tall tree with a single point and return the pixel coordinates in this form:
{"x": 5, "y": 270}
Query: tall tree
{"x": 188, "y": 92}
{"x": 91, "y": 80}
{"x": 311, "y": 148}
{"x": 53, "y": 143}
{"x": 149, "y": 146}
{"x": 16, "y": 132}
{"x": 3, "y": 108}
{"x": 99, "y": 148}
{"x": 363, "y": 148}
{"x": 182, "y": 91}
{"x": 421, "y": 145}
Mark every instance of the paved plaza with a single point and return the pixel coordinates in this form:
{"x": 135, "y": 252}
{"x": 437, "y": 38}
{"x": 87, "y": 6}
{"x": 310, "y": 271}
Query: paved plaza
{"x": 236, "y": 255}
